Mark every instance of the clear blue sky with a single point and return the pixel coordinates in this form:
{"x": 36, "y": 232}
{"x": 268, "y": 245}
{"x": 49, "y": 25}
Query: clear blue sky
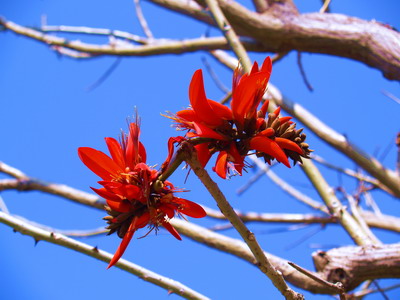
{"x": 47, "y": 113}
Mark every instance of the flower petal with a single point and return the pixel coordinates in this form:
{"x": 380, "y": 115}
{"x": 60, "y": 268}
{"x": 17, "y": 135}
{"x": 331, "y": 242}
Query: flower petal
{"x": 220, "y": 110}
{"x": 207, "y": 132}
{"x": 103, "y": 193}
{"x": 125, "y": 242}
{"x": 236, "y": 158}
{"x": 288, "y": 144}
{"x": 221, "y": 164}
{"x": 267, "y": 65}
{"x": 115, "y": 149}
{"x": 203, "y": 153}
{"x": 132, "y": 148}
{"x": 171, "y": 230}
{"x": 268, "y": 146}
{"x": 99, "y": 163}
{"x": 267, "y": 132}
{"x": 264, "y": 108}
{"x": 248, "y": 95}
{"x": 190, "y": 208}
{"x": 142, "y": 153}
{"x": 198, "y": 100}
{"x": 283, "y": 120}
{"x": 188, "y": 115}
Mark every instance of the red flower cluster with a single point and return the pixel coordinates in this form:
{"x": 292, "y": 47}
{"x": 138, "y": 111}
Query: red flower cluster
{"x": 134, "y": 195}
{"x": 233, "y": 132}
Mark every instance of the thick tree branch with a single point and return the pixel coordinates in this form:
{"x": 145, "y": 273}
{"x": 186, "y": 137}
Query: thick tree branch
{"x": 356, "y": 261}
{"x": 55, "y": 238}
{"x": 369, "y": 42}
{"x": 363, "y": 263}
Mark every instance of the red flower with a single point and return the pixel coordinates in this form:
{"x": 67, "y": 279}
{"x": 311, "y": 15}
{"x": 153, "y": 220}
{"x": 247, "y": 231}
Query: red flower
{"x": 234, "y": 131}
{"x": 134, "y": 196}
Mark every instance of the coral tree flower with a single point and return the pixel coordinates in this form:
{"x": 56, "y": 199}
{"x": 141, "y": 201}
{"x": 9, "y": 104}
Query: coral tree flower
{"x": 134, "y": 196}
{"x": 233, "y": 132}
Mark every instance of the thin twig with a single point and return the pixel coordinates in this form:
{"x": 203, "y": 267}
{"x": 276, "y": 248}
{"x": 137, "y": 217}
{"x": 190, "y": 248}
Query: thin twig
{"x": 230, "y": 34}
{"x": 360, "y": 294}
{"x": 338, "y": 286}
{"x": 325, "y": 6}
{"x": 106, "y": 74}
{"x": 94, "y": 31}
{"x": 288, "y": 188}
{"x": 214, "y": 76}
{"x": 391, "y": 96}
{"x": 142, "y": 20}
{"x": 3, "y": 206}
{"x": 346, "y": 171}
{"x": 336, "y": 208}
{"x": 4, "y": 168}
{"x": 260, "y": 173}
{"x": 355, "y": 210}
{"x": 263, "y": 263}
{"x": 303, "y": 72}
{"x": 55, "y": 238}
{"x": 120, "y": 47}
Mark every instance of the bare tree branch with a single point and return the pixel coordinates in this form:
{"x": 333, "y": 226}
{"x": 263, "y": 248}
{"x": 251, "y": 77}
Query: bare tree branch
{"x": 369, "y": 42}
{"x": 55, "y": 238}
{"x": 124, "y": 48}
{"x": 262, "y": 261}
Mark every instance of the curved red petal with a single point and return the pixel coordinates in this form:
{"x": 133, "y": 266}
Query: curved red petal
{"x": 115, "y": 149}
{"x": 277, "y": 111}
{"x": 125, "y": 242}
{"x": 190, "y": 208}
{"x": 99, "y": 163}
{"x": 171, "y": 230}
{"x": 267, "y": 65}
{"x": 254, "y": 69}
{"x": 248, "y": 95}
{"x": 267, "y": 132}
{"x": 284, "y": 119}
{"x": 207, "y": 132}
{"x": 198, "y": 100}
{"x": 132, "y": 147}
{"x": 103, "y": 193}
{"x": 221, "y": 111}
{"x": 236, "y": 158}
{"x": 120, "y": 206}
{"x": 288, "y": 144}
{"x": 142, "y": 153}
{"x": 168, "y": 210}
{"x": 269, "y": 147}
{"x": 188, "y": 115}
{"x": 143, "y": 220}
{"x": 203, "y": 153}
{"x": 221, "y": 164}
{"x": 264, "y": 108}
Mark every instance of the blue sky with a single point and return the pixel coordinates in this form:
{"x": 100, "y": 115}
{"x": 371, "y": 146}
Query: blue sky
{"x": 47, "y": 113}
